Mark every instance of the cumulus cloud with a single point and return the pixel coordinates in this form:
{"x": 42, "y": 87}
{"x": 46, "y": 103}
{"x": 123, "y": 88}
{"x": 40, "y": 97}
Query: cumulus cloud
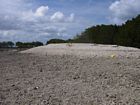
{"x": 60, "y": 17}
{"x": 19, "y": 21}
{"x": 123, "y": 10}
{"x": 57, "y": 17}
{"x": 41, "y": 11}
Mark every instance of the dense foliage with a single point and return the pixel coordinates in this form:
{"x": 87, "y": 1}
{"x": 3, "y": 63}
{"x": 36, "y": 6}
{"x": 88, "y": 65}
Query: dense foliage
{"x": 7, "y": 44}
{"x": 10, "y": 44}
{"x": 56, "y": 41}
{"x": 28, "y": 44}
{"x": 127, "y": 34}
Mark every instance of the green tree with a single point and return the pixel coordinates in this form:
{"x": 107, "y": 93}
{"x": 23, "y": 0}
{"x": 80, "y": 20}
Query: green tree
{"x": 10, "y": 44}
{"x": 56, "y": 41}
{"x": 127, "y": 34}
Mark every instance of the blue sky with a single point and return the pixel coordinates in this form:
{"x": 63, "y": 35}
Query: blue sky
{"x": 32, "y": 20}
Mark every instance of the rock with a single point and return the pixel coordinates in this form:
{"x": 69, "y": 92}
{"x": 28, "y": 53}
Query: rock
{"x": 35, "y": 88}
{"x": 41, "y": 70}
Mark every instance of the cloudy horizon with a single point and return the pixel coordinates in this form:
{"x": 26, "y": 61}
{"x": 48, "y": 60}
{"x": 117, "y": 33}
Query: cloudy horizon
{"x": 41, "y": 20}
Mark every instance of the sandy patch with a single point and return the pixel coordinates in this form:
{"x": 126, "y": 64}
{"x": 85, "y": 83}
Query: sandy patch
{"x": 86, "y": 50}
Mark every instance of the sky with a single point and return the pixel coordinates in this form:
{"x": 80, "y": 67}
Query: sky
{"x": 41, "y": 20}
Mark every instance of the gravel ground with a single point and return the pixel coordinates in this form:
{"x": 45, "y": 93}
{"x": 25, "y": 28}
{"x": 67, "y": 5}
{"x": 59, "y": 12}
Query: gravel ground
{"x": 28, "y": 79}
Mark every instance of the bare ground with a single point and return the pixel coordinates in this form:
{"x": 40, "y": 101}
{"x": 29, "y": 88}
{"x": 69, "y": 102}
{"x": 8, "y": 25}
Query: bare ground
{"x": 27, "y": 79}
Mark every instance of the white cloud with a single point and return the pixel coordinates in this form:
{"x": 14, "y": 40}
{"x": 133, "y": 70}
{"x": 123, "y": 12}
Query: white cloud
{"x": 20, "y": 21}
{"x": 41, "y": 11}
{"x": 71, "y": 18}
{"x": 60, "y": 17}
{"x": 57, "y": 17}
{"x": 28, "y": 16}
{"x": 123, "y": 10}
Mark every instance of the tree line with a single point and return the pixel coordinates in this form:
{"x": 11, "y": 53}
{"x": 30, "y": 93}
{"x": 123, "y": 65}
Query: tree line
{"x": 127, "y": 34}
{"x": 7, "y": 44}
{"x": 10, "y": 44}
